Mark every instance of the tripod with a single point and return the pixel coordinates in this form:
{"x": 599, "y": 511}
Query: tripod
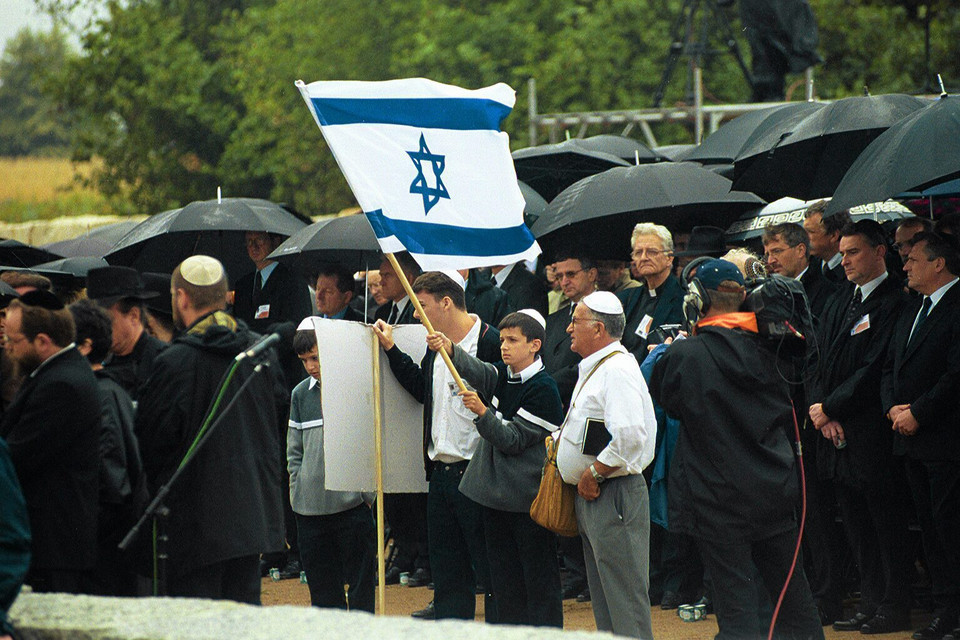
{"x": 684, "y": 42}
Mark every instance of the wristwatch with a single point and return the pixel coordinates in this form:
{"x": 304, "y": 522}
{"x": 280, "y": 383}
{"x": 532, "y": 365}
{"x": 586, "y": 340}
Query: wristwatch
{"x": 596, "y": 475}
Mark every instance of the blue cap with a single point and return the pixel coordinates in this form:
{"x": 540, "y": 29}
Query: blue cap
{"x": 712, "y": 272}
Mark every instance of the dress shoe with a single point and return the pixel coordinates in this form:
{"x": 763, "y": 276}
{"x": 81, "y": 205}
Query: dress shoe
{"x": 853, "y": 624}
{"x": 937, "y": 628}
{"x": 670, "y": 600}
{"x": 291, "y": 570}
{"x": 569, "y": 593}
{"x": 886, "y": 623}
{"x": 427, "y": 613}
{"x": 392, "y": 576}
{"x": 584, "y": 596}
{"x": 419, "y": 578}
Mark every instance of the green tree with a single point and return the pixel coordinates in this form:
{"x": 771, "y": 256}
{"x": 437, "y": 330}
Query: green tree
{"x": 29, "y": 121}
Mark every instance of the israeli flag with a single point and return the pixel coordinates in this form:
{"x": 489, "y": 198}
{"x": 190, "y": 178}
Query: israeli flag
{"x": 429, "y": 166}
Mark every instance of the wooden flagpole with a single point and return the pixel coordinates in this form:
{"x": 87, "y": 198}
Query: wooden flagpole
{"x": 424, "y": 319}
{"x": 378, "y": 439}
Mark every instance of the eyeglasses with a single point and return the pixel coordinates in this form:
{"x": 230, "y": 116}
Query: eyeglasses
{"x": 650, "y": 253}
{"x": 575, "y": 320}
{"x": 569, "y": 275}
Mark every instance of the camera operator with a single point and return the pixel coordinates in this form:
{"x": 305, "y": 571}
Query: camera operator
{"x": 733, "y": 482}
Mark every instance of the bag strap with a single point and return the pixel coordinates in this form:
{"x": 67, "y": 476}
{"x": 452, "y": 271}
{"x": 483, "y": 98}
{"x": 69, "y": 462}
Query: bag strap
{"x": 556, "y": 438}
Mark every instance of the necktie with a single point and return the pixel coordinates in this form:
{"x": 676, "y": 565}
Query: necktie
{"x": 853, "y": 310}
{"x": 257, "y": 288}
{"x": 392, "y": 318}
{"x": 924, "y": 309}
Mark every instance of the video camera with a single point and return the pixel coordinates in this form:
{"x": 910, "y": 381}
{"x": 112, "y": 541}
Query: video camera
{"x": 781, "y": 307}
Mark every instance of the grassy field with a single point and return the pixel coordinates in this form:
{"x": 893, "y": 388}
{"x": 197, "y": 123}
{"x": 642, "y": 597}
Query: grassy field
{"x": 44, "y": 188}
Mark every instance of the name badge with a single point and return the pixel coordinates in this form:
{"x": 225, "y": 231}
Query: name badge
{"x": 862, "y": 325}
{"x": 643, "y": 329}
{"x": 263, "y": 311}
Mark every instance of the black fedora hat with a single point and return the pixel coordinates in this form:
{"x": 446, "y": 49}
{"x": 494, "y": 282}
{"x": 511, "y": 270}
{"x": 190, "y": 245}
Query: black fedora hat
{"x": 704, "y": 241}
{"x": 107, "y": 285}
{"x": 159, "y": 283}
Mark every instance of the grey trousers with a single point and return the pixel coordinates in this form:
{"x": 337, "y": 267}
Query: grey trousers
{"x": 616, "y": 546}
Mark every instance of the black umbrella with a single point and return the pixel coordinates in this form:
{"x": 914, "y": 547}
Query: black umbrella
{"x": 627, "y": 149}
{"x": 534, "y": 203}
{"x": 598, "y": 213}
{"x": 920, "y": 151}
{"x": 95, "y": 242}
{"x": 347, "y": 240}
{"x": 809, "y": 161}
{"x": 726, "y": 143}
{"x": 211, "y": 227}
{"x": 551, "y": 168}
{"x": 77, "y": 266}
{"x": 17, "y": 254}
{"x": 675, "y": 152}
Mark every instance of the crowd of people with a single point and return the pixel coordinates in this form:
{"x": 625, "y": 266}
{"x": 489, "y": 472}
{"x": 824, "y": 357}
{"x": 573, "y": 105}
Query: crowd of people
{"x": 678, "y": 417}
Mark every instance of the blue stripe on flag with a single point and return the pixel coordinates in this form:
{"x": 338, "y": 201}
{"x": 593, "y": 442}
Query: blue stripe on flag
{"x": 443, "y": 239}
{"x": 425, "y": 113}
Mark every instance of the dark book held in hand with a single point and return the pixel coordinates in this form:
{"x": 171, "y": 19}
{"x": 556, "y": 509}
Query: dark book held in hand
{"x": 595, "y": 437}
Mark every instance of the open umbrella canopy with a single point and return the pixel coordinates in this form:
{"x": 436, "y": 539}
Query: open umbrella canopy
{"x": 627, "y": 149}
{"x": 347, "y": 240}
{"x": 77, "y": 266}
{"x": 726, "y": 143}
{"x": 751, "y": 224}
{"x": 95, "y": 242}
{"x": 551, "y": 168}
{"x": 210, "y": 227}
{"x": 915, "y": 154}
{"x": 810, "y": 160}
{"x": 598, "y": 213}
{"x": 533, "y": 203}
{"x": 17, "y": 254}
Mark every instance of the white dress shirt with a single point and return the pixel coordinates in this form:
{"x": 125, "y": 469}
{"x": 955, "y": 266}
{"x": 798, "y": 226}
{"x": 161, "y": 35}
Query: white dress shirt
{"x": 454, "y": 435}
{"x": 617, "y": 394}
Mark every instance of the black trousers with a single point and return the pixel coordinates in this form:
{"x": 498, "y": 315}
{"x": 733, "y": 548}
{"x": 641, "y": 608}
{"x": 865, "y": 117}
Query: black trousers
{"x": 407, "y": 515}
{"x": 336, "y": 550}
{"x": 458, "y": 555}
{"x": 237, "y": 579}
{"x": 733, "y": 570}
{"x": 823, "y": 543}
{"x": 875, "y": 520}
{"x": 524, "y": 572}
{"x": 935, "y": 485}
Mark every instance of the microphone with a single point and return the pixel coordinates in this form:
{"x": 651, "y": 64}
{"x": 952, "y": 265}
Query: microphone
{"x": 264, "y": 343}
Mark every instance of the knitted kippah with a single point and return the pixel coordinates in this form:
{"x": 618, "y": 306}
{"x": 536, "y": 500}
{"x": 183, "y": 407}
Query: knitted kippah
{"x": 202, "y": 271}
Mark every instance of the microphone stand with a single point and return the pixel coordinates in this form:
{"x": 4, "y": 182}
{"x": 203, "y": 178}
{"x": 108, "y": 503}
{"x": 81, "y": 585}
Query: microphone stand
{"x": 159, "y": 513}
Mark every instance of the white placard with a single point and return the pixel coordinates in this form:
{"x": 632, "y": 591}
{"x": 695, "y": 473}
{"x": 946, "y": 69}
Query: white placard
{"x": 346, "y": 365}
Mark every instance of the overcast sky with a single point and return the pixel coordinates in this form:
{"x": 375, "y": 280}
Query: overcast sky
{"x": 17, "y": 14}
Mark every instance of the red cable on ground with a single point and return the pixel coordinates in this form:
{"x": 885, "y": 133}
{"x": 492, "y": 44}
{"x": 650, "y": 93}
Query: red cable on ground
{"x": 803, "y": 520}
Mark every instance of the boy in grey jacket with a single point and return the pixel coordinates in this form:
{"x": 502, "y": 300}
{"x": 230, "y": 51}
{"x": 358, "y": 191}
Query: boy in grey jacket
{"x": 336, "y": 532}
{"x": 519, "y": 408}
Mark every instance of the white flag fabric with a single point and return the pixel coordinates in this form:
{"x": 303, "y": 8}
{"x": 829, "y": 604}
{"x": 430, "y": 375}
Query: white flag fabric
{"x": 429, "y": 166}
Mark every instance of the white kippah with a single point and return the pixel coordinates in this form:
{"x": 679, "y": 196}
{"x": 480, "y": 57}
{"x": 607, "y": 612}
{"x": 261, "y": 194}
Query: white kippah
{"x": 306, "y": 324}
{"x": 603, "y": 302}
{"x": 202, "y": 271}
{"x": 456, "y": 277}
{"x": 533, "y": 313}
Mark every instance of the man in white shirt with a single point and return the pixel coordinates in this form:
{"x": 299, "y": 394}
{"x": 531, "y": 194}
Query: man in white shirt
{"x": 458, "y": 557}
{"x": 606, "y": 441}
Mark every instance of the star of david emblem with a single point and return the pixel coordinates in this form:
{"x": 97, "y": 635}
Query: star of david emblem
{"x": 431, "y": 195}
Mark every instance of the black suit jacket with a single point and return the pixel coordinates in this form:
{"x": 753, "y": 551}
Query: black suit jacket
{"x": 525, "y": 290}
{"x": 669, "y": 310}
{"x": 926, "y": 375}
{"x": 558, "y": 360}
{"x": 289, "y": 299}
{"x": 406, "y": 316}
{"x": 835, "y": 275}
{"x": 848, "y": 384}
{"x": 53, "y": 431}
{"x": 818, "y": 287}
